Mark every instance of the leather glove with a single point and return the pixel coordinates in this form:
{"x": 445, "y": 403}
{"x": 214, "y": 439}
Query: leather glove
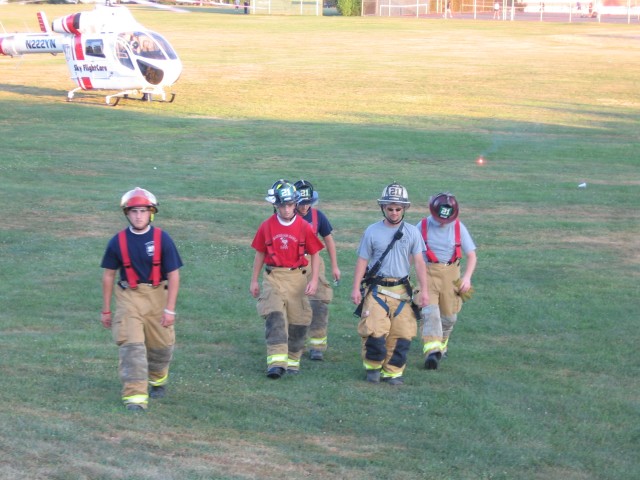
{"x": 465, "y": 296}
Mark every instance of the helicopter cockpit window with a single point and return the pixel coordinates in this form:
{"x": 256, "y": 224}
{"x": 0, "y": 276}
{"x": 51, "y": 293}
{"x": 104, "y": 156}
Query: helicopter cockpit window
{"x": 94, "y": 48}
{"x": 145, "y": 46}
{"x": 150, "y": 73}
{"x": 165, "y": 45}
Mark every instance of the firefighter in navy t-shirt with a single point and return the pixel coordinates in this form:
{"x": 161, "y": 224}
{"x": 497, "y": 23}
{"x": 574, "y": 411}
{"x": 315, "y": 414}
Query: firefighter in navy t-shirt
{"x": 318, "y": 330}
{"x": 146, "y": 294}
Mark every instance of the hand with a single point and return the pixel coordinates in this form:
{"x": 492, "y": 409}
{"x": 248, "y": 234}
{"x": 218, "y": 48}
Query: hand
{"x": 424, "y": 298}
{"x": 312, "y": 288}
{"x": 105, "y": 318}
{"x": 336, "y": 275}
{"x": 168, "y": 319}
{"x": 467, "y": 293}
{"x": 465, "y": 285}
{"x": 254, "y": 288}
{"x": 356, "y": 296}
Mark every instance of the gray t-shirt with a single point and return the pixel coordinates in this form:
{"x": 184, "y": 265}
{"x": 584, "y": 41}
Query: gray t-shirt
{"x": 376, "y": 239}
{"x": 442, "y": 238}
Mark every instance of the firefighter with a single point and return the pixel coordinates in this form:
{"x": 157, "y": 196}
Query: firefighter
{"x": 446, "y": 239}
{"x": 146, "y": 293}
{"x": 317, "y": 341}
{"x": 387, "y": 320}
{"x": 280, "y": 244}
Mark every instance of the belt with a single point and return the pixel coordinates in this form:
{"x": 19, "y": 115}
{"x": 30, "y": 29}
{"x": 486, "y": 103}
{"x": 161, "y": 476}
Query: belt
{"x": 389, "y": 283}
{"x": 270, "y": 268}
{"x": 124, "y": 284}
{"x": 457, "y": 262}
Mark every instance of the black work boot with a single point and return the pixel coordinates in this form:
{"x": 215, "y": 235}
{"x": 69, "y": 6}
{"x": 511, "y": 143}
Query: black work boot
{"x": 316, "y": 355}
{"x": 373, "y": 376}
{"x": 395, "y": 381}
{"x": 275, "y": 372}
{"x": 432, "y": 361}
{"x": 158, "y": 391}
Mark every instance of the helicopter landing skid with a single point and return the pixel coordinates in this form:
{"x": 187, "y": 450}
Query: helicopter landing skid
{"x": 147, "y": 96}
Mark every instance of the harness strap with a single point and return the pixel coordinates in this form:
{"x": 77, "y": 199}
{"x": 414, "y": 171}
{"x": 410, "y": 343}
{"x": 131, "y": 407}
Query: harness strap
{"x": 271, "y": 254}
{"x": 382, "y": 303}
{"x": 157, "y": 255}
{"x": 132, "y": 276}
{"x": 457, "y": 252}
{"x": 314, "y": 220}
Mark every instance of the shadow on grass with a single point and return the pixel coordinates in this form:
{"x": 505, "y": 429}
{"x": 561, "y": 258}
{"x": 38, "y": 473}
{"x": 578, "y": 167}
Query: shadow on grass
{"x": 32, "y": 91}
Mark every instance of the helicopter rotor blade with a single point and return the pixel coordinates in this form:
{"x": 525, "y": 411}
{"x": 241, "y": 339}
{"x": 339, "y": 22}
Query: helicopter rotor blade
{"x": 148, "y": 3}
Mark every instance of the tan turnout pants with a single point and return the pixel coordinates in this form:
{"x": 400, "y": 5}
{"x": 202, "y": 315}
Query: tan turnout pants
{"x": 145, "y": 346}
{"x": 318, "y": 330}
{"x": 440, "y": 316}
{"x": 386, "y": 334}
{"x": 287, "y": 313}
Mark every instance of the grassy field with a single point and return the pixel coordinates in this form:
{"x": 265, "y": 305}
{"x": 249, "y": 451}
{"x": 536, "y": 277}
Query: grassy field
{"x": 542, "y": 376}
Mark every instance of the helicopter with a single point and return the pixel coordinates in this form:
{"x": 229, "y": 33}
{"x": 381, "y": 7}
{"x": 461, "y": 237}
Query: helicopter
{"x": 105, "y": 49}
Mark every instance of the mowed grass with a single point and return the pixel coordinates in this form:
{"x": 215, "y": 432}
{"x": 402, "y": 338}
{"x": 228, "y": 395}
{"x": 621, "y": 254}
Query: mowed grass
{"x": 542, "y": 377}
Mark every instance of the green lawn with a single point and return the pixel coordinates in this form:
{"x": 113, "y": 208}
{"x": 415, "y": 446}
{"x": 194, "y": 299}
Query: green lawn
{"x": 542, "y": 376}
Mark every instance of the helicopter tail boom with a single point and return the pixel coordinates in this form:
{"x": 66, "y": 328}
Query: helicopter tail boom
{"x": 23, "y": 43}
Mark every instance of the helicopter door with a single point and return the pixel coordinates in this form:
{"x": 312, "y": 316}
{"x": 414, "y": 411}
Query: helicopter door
{"x": 122, "y": 51}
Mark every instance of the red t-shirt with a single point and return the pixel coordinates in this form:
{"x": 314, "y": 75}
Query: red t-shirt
{"x": 286, "y": 240}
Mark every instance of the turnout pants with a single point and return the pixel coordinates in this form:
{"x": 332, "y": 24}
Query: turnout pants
{"x": 287, "y": 313}
{"x": 441, "y": 315}
{"x": 145, "y": 346}
{"x": 386, "y": 327}
{"x": 318, "y": 330}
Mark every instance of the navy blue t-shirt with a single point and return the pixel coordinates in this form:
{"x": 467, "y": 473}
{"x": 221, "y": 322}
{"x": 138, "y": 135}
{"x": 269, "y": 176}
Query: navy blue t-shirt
{"x": 324, "y": 227}
{"x": 141, "y": 248}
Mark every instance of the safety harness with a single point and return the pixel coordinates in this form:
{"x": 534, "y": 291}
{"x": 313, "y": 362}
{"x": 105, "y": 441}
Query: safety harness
{"x": 132, "y": 276}
{"x": 457, "y": 252}
{"x": 372, "y": 281}
{"x": 271, "y": 258}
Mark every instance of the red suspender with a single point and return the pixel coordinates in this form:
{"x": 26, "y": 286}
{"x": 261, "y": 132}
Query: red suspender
{"x": 431, "y": 257}
{"x": 303, "y": 239}
{"x": 314, "y": 220}
{"x": 271, "y": 258}
{"x": 157, "y": 255}
{"x": 457, "y": 252}
{"x": 132, "y": 276}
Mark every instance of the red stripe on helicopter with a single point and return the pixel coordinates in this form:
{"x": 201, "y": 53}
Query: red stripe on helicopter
{"x": 78, "y": 52}
{"x": 71, "y": 23}
{"x": 85, "y": 83}
{"x": 2, "y": 52}
{"x": 43, "y": 26}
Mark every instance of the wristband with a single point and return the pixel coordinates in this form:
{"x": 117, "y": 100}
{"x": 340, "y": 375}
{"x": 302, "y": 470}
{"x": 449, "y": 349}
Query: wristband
{"x": 169, "y": 312}
{"x": 106, "y": 313}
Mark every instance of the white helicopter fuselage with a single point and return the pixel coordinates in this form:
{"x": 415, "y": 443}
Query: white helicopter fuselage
{"x": 105, "y": 49}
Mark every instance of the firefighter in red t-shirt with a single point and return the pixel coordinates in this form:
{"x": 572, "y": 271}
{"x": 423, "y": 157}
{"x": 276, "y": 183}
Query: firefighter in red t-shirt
{"x": 280, "y": 244}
